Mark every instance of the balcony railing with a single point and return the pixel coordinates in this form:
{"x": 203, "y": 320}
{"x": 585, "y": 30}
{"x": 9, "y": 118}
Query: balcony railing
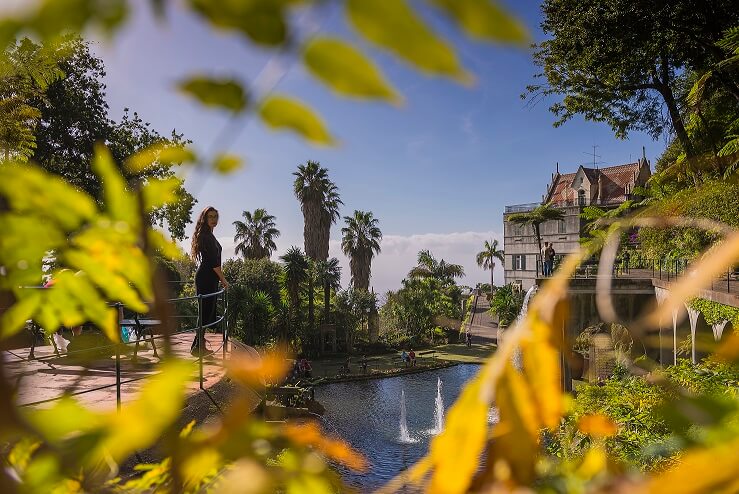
{"x": 522, "y": 208}
{"x": 637, "y": 267}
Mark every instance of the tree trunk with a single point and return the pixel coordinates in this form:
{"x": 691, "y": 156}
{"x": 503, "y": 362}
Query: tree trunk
{"x": 492, "y": 285}
{"x": 311, "y": 315}
{"x": 326, "y": 303}
{"x": 663, "y": 86}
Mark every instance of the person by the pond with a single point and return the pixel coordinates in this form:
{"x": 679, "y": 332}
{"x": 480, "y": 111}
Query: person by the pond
{"x": 364, "y": 364}
{"x": 468, "y": 338}
{"x": 206, "y": 251}
{"x": 412, "y": 357}
{"x": 404, "y": 357}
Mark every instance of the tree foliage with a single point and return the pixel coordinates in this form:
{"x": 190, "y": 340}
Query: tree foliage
{"x": 361, "y": 242}
{"x": 26, "y": 71}
{"x": 486, "y": 258}
{"x": 541, "y": 214}
{"x": 255, "y": 235}
{"x": 621, "y": 62}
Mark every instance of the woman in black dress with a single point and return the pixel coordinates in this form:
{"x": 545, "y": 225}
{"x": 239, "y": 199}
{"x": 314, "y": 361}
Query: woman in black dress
{"x": 207, "y": 252}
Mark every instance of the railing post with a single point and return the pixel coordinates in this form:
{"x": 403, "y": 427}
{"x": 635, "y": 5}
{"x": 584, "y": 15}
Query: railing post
{"x": 225, "y": 322}
{"x": 200, "y": 337}
{"x": 118, "y": 359}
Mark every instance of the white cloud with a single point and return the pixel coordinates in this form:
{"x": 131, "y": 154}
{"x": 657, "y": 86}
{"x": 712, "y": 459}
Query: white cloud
{"x": 399, "y": 254}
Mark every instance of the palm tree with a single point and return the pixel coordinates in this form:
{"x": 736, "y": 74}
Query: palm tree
{"x": 429, "y": 267}
{"x": 328, "y": 274}
{"x": 295, "y": 273}
{"x": 537, "y": 216}
{"x": 486, "y": 259}
{"x": 319, "y": 201}
{"x": 255, "y": 235}
{"x": 361, "y": 242}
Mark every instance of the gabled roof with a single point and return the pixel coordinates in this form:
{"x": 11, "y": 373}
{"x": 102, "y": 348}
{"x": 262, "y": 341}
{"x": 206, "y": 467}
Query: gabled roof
{"x": 615, "y": 180}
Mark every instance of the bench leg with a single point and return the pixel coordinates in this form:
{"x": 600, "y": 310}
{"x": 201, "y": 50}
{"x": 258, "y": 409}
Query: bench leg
{"x": 153, "y": 345}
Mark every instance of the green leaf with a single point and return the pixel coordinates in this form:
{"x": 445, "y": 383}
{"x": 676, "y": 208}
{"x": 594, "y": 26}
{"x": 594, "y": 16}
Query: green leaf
{"x": 220, "y": 93}
{"x": 393, "y": 25}
{"x": 120, "y": 202}
{"x": 51, "y": 18}
{"x": 227, "y": 163}
{"x": 347, "y": 70}
{"x": 143, "y": 421}
{"x": 159, "y": 153}
{"x": 159, "y": 192}
{"x": 280, "y": 112}
{"x": 261, "y": 20}
{"x": 14, "y": 319}
{"x": 486, "y": 20}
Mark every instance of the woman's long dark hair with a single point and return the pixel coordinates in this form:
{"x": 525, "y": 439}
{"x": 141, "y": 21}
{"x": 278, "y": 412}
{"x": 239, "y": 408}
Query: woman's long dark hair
{"x": 200, "y": 227}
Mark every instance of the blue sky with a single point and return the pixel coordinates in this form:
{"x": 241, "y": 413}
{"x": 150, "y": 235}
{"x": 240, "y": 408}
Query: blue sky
{"x": 437, "y": 172}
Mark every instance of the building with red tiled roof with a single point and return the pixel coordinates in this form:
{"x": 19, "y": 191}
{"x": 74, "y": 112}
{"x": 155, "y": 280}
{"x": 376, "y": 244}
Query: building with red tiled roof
{"x": 603, "y": 187}
{"x": 607, "y": 186}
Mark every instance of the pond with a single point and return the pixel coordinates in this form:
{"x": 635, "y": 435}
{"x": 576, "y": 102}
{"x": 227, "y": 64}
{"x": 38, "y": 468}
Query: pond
{"x": 367, "y": 414}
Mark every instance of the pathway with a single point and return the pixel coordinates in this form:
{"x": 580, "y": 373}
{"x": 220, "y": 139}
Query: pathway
{"x": 48, "y": 378}
{"x": 483, "y": 327}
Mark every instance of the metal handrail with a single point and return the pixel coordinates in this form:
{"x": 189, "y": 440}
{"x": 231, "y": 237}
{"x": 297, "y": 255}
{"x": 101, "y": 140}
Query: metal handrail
{"x": 200, "y": 329}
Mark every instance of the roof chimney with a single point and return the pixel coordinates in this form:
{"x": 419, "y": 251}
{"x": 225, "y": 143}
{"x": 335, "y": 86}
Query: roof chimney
{"x": 557, "y": 166}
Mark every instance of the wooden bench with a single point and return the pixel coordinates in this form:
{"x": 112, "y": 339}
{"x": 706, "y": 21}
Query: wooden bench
{"x": 427, "y": 352}
{"x": 140, "y": 326}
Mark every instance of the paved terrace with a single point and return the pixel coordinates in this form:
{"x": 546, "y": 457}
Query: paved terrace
{"x": 47, "y": 376}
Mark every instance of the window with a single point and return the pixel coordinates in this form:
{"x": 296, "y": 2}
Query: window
{"x": 581, "y": 197}
{"x": 519, "y": 262}
{"x": 561, "y": 226}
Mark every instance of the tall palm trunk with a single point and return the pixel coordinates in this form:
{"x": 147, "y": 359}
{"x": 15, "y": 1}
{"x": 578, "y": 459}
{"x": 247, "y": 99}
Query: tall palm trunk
{"x": 326, "y": 303}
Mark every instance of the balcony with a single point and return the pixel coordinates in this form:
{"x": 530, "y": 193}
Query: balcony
{"x": 522, "y": 208}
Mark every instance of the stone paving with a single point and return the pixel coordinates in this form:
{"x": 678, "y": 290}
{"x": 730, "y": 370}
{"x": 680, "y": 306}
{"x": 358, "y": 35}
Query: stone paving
{"x": 47, "y": 376}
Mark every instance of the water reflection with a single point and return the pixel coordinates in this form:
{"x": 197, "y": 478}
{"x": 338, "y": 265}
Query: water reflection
{"x": 367, "y": 414}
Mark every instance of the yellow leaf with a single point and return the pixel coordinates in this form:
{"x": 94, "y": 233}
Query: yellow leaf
{"x": 251, "y": 370}
{"x": 280, "y": 112}
{"x": 246, "y": 476}
{"x": 159, "y": 192}
{"x": 199, "y": 465}
{"x": 394, "y": 25}
{"x": 143, "y": 421}
{"x": 517, "y": 444}
{"x": 158, "y": 153}
{"x": 703, "y": 470}
{"x": 594, "y": 462}
{"x": 486, "y": 20}
{"x": 347, "y": 70}
{"x": 309, "y": 434}
{"x": 597, "y": 425}
{"x": 541, "y": 366}
{"x": 465, "y": 433}
{"x": 221, "y": 93}
{"x": 227, "y": 163}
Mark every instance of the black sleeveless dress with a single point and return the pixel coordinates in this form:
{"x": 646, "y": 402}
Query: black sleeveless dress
{"x": 206, "y": 280}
